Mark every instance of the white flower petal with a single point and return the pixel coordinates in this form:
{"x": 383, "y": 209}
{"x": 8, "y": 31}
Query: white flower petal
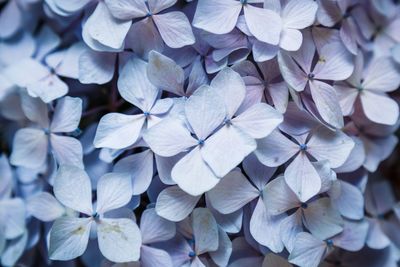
{"x": 157, "y": 5}
{"x": 379, "y": 107}
{"x": 278, "y": 197}
{"x": 264, "y": 24}
{"x": 117, "y": 130}
{"x": 382, "y": 75}
{"x": 127, "y": 9}
{"x": 48, "y": 89}
{"x": 155, "y": 228}
{"x": 169, "y": 137}
{"x": 308, "y": 250}
{"x": 205, "y": 231}
{"x": 205, "y": 111}
{"x": 265, "y": 228}
{"x": 302, "y": 177}
{"x": 231, "y": 88}
{"x": 201, "y": 178}
{"x": 174, "y": 28}
{"x": 259, "y": 120}
{"x": 96, "y": 67}
{"x": 69, "y": 238}
{"x": 232, "y": 193}
{"x": 12, "y": 212}
{"x": 353, "y": 236}
{"x": 299, "y": 14}
{"x": 114, "y": 190}
{"x": 275, "y": 149}
{"x": 119, "y": 239}
{"x": 322, "y": 220}
{"x": 106, "y": 29}
{"x": 67, "y": 115}
{"x": 67, "y": 150}
{"x": 327, "y": 103}
{"x": 291, "y": 39}
{"x": 140, "y": 168}
{"x": 72, "y": 188}
{"x": 217, "y": 16}
{"x": 174, "y": 204}
{"x": 334, "y": 146}
{"x": 229, "y": 140}
{"x": 45, "y": 207}
{"x": 135, "y": 87}
{"x": 165, "y": 74}
{"x": 29, "y": 148}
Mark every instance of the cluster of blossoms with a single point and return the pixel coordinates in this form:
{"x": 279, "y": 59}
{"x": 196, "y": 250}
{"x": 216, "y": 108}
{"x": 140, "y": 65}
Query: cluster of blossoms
{"x": 166, "y": 133}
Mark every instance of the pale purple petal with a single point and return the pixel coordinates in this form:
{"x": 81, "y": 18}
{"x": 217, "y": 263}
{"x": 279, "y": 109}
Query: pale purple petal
{"x": 174, "y": 29}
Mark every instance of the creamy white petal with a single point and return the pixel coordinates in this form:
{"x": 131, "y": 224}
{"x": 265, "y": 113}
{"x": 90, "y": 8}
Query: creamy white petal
{"x": 259, "y": 120}
{"x": 116, "y": 130}
{"x": 67, "y": 115}
{"x": 12, "y": 212}
{"x": 302, "y": 177}
{"x": 231, "y": 88}
{"x": 334, "y": 146}
{"x": 275, "y": 149}
{"x": 165, "y": 74}
{"x": 140, "y": 167}
{"x": 119, "y": 239}
{"x": 106, "y": 29}
{"x": 155, "y": 228}
{"x": 134, "y": 85}
{"x": 278, "y": 197}
{"x": 174, "y": 28}
{"x": 114, "y": 190}
{"x": 174, "y": 204}
{"x": 322, "y": 220}
{"x": 67, "y": 150}
{"x": 232, "y": 193}
{"x": 229, "y": 140}
{"x": 45, "y": 207}
{"x": 308, "y": 251}
{"x": 169, "y": 137}
{"x": 205, "y": 231}
{"x": 73, "y": 189}
{"x": 264, "y": 24}
{"x": 205, "y": 111}
{"x": 217, "y": 16}
{"x": 69, "y": 238}
{"x": 193, "y": 175}
{"x": 29, "y": 148}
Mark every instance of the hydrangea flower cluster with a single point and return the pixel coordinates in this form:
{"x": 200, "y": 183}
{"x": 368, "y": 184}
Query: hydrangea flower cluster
{"x": 166, "y": 133}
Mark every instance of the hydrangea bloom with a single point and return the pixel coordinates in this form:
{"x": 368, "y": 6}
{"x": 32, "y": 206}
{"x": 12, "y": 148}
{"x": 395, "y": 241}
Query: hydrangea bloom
{"x": 301, "y": 175}
{"x": 31, "y": 144}
{"x": 370, "y": 87}
{"x": 69, "y": 236}
{"x": 135, "y": 88}
{"x": 193, "y": 133}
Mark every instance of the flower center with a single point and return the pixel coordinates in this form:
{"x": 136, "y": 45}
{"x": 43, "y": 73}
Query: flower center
{"x": 200, "y": 142}
{"x": 303, "y": 147}
{"x": 304, "y": 205}
{"x": 311, "y": 76}
{"x": 329, "y": 243}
